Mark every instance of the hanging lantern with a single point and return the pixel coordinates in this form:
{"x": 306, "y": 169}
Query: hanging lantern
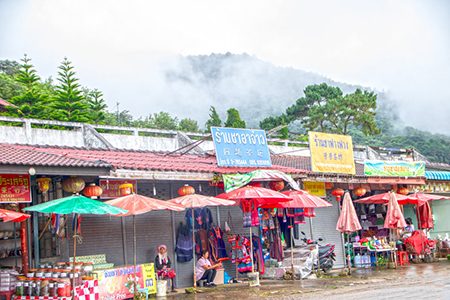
{"x": 73, "y": 184}
{"x": 93, "y": 191}
{"x": 125, "y": 189}
{"x": 338, "y": 193}
{"x": 276, "y": 185}
{"x": 255, "y": 184}
{"x": 186, "y": 190}
{"x": 43, "y": 184}
{"x": 359, "y": 191}
{"x": 402, "y": 191}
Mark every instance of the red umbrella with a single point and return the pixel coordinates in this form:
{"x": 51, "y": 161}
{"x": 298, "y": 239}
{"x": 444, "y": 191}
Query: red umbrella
{"x": 422, "y": 198}
{"x": 394, "y": 216}
{"x": 424, "y": 216}
{"x": 300, "y": 199}
{"x": 196, "y": 201}
{"x": 382, "y": 198}
{"x": 9, "y": 215}
{"x": 259, "y": 195}
{"x": 136, "y": 205}
{"x": 348, "y": 219}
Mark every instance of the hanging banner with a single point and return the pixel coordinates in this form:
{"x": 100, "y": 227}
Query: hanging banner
{"x": 331, "y": 153}
{"x": 394, "y": 168}
{"x": 111, "y": 187}
{"x": 15, "y": 188}
{"x": 236, "y": 147}
{"x": 315, "y": 188}
{"x": 117, "y": 283}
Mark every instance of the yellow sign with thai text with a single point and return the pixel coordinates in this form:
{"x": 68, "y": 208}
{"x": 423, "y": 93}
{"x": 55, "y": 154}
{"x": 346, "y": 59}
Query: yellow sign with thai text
{"x": 315, "y": 188}
{"x": 331, "y": 153}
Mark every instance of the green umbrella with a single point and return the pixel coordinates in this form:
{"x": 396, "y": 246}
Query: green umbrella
{"x": 79, "y": 205}
{"x": 76, "y": 204}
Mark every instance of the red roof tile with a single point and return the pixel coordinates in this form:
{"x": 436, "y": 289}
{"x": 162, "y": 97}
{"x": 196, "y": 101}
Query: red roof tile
{"x": 14, "y": 155}
{"x": 6, "y": 103}
{"x": 147, "y": 160}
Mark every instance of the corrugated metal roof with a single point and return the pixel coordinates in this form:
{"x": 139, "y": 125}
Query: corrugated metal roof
{"x": 437, "y": 175}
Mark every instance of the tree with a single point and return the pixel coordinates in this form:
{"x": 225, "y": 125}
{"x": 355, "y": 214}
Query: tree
{"x": 163, "y": 120}
{"x": 214, "y": 119}
{"x": 97, "y": 106}
{"x": 189, "y": 125}
{"x": 234, "y": 119}
{"x": 325, "y": 109}
{"x": 69, "y": 102}
{"x": 9, "y": 87}
{"x": 30, "y": 103}
{"x": 9, "y": 67}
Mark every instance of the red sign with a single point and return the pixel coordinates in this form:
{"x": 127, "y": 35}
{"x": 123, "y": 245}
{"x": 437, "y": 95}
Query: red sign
{"x": 111, "y": 187}
{"x": 15, "y": 188}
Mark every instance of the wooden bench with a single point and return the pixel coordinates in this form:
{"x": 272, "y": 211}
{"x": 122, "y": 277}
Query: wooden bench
{"x": 98, "y": 261}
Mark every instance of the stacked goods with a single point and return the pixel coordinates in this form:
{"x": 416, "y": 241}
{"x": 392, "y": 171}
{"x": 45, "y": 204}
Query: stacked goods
{"x": 8, "y": 280}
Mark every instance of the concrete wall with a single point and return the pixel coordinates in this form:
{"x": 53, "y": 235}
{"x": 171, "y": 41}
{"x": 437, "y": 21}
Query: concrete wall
{"x": 141, "y": 142}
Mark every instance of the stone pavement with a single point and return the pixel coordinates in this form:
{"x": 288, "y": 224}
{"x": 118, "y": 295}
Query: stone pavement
{"x": 418, "y": 281}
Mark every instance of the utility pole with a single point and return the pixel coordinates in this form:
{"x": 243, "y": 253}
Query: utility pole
{"x": 118, "y": 115}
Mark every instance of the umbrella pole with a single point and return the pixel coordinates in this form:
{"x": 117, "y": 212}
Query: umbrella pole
{"x": 74, "y": 251}
{"x": 134, "y": 249}
{"x": 193, "y": 246}
{"x": 292, "y": 253}
{"x": 251, "y": 247}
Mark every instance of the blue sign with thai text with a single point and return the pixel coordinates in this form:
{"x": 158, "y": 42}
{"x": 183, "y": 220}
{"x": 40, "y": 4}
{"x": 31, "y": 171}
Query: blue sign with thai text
{"x": 237, "y": 147}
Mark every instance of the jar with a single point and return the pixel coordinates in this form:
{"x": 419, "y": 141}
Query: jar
{"x": 45, "y": 287}
{"x": 27, "y": 287}
{"x": 19, "y": 287}
{"x": 64, "y": 273}
{"x": 60, "y": 265}
{"x": 39, "y": 273}
{"x": 30, "y": 273}
{"x": 64, "y": 288}
{"x": 48, "y": 273}
{"x": 36, "y": 287}
{"x": 56, "y": 273}
{"x": 78, "y": 279}
{"x": 52, "y": 288}
{"x": 87, "y": 269}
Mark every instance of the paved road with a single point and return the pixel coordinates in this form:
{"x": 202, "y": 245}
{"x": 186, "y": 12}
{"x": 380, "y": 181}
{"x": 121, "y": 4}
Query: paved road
{"x": 418, "y": 281}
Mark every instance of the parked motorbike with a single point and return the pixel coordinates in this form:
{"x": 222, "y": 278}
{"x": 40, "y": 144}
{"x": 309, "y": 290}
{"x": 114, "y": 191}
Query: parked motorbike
{"x": 327, "y": 257}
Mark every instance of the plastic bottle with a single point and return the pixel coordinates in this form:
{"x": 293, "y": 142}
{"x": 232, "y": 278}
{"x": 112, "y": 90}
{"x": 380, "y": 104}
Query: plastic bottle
{"x": 366, "y": 260}
{"x": 357, "y": 260}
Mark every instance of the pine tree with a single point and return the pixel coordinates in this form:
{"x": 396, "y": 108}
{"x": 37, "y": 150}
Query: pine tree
{"x": 96, "y": 106}
{"x": 69, "y": 102}
{"x": 214, "y": 119}
{"x": 234, "y": 119}
{"x": 31, "y": 103}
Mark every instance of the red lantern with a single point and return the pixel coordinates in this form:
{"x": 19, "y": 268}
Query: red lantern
{"x": 276, "y": 185}
{"x": 338, "y": 193}
{"x": 43, "y": 184}
{"x": 186, "y": 190}
{"x": 359, "y": 191}
{"x": 73, "y": 184}
{"x": 126, "y": 189}
{"x": 403, "y": 191}
{"x": 255, "y": 184}
{"x": 93, "y": 191}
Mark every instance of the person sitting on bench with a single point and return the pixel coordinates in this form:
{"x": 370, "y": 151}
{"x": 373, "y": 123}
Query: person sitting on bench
{"x": 204, "y": 270}
{"x": 162, "y": 263}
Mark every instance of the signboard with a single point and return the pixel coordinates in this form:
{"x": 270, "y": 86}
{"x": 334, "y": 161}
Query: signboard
{"x": 15, "y": 188}
{"x": 394, "y": 168}
{"x": 331, "y": 153}
{"x": 315, "y": 188}
{"x": 237, "y": 147}
{"x": 117, "y": 283}
{"x": 111, "y": 187}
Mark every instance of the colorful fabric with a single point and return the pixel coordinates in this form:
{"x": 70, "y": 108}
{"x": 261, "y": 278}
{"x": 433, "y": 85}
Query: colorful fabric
{"x": 166, "y": 273}
{"x": 184, "y": 247}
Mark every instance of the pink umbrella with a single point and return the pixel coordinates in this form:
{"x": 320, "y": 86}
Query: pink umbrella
{"x": 300, "y": 199}
{"x": 348, "y": 221}
{"x": 422, "y": 198}
{"x": 382, "y": 198}
{"x": 394, "y": 216}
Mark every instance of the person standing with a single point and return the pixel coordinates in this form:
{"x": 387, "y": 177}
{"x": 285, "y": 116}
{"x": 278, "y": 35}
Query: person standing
{"x": 204, "y": 269}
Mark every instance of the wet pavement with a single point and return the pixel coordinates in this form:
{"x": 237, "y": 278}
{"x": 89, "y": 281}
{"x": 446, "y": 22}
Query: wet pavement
{"x": 418, "y": 281}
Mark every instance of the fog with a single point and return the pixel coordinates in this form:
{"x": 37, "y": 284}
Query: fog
{"x": 139, "y": 52}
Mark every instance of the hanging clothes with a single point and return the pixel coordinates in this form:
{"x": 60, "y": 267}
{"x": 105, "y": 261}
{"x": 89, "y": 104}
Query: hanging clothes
{"x": 310, "y": 212}
{"x": 217, "y": 245}
{"x": 206, "y": 218}
{"x": 184, "y": 247}
{"x": 247, "y": 213}
{"x": 203, "y": 240}
{"x": 197, "y": 218}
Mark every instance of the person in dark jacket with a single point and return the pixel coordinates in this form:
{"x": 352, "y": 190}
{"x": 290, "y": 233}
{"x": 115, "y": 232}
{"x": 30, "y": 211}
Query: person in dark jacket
{"x": 162, "y": 263}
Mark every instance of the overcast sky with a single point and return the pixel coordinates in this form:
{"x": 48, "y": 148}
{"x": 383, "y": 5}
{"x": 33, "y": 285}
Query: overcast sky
{"x": 399, "y": 46}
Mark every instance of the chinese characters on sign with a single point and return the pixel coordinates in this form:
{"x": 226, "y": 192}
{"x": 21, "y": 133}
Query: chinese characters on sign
{"x": 331, "y": 153}
{"x": 15, "y": 188}
{"x": 111, "y": 187}
{"x": 241, "y": 147}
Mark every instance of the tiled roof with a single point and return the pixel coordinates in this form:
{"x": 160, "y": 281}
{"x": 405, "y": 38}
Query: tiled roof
{"x": 13, "y": 155}
{"x": 304, "y": 162}
{"x": 147, "y": 160}
{"x": 6, "y": 103}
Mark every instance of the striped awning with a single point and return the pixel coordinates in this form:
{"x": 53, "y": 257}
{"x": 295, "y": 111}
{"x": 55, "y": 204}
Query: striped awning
{"x": 436, "y": 175}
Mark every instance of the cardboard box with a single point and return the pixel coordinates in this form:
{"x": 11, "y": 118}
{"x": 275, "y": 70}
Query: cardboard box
{"x": 219, "y": 279}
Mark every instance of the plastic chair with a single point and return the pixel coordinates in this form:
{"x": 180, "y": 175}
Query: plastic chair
{"x": 402, "y": 258}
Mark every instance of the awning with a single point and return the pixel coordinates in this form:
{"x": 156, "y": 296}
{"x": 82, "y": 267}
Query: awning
{"x": 437, "y": 175}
